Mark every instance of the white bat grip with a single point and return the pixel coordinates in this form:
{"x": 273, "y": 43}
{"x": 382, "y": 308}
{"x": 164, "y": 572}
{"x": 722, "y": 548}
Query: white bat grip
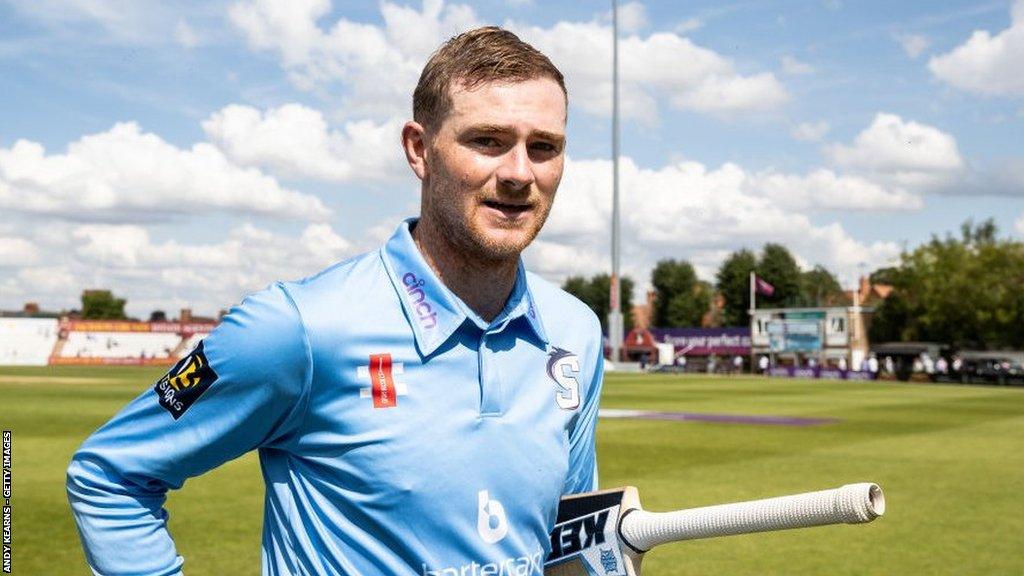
{"x": 851, "y": 504}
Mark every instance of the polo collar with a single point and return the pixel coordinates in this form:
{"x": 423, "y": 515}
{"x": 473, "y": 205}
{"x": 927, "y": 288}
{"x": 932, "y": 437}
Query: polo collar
{"x": 434, "y": 313}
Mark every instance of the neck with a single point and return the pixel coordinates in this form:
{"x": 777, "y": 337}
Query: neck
{"x": 483, "y": 285}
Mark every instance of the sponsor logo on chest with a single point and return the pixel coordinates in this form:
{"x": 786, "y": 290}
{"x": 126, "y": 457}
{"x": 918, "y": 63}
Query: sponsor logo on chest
{"x": 383, "y": 388}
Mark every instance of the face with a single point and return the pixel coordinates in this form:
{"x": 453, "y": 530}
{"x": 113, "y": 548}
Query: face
{"x": 493, "y": 165}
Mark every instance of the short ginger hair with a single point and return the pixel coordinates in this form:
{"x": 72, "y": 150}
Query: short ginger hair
{"x": 487, "y": 54}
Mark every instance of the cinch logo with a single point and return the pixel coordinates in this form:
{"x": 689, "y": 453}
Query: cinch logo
{"x": 381, "y": 374}
{"x": 563, "y": 366}
{"x": 490, "y": 518}
{"x": 417, "y": 299}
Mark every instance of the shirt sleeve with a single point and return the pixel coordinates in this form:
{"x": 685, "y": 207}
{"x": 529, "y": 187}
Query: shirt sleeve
{"x": 582, "y": 474}
{"x": 244, "y": 387}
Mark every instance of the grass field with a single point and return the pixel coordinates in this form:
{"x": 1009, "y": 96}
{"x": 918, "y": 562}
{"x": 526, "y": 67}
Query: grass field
{"x": 950, "y": 459}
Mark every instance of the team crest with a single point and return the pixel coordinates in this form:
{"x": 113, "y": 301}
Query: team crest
{"x": 563, "y": 367}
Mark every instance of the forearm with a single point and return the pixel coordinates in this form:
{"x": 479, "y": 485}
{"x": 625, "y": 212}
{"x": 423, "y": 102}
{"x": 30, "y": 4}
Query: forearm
{"x": 123, "y": 526}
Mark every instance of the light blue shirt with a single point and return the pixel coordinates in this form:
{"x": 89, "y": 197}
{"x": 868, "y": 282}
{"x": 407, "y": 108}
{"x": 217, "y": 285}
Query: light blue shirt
{"x": 398, "y": 432}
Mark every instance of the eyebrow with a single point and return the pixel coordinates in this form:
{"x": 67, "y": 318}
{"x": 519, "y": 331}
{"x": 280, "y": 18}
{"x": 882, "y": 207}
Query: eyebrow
{"x": 508, "y": 130}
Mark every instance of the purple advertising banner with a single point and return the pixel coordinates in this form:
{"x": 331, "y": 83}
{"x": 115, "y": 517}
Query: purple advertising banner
{"x": 705, "y": 341}
{"x": 817, "y": 372}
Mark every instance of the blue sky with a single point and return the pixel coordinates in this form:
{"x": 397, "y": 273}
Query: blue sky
{"x": 184, "y": 154}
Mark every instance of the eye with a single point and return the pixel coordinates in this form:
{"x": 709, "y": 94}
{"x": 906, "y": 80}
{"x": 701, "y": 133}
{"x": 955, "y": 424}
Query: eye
{"x": 486, "y": 142}
{"x": 543, "y": 147}
{"x": 544, "y": 150}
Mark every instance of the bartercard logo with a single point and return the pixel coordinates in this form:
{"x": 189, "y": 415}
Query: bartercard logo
{"x": 491, "y": 523}
{"x": 563, "y": 367}
{"x": 525, "y": 565}
{"x": 422, "y": 309}
{"x": 383, "y": 388}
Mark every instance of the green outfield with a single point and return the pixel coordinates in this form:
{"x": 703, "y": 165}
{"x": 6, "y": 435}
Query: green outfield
{"x": 950, "y": 459}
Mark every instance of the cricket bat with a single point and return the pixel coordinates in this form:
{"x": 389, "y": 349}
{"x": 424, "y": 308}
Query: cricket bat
{"x": 608, "y": 532}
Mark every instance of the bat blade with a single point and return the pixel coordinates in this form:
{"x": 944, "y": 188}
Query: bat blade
{"x": 586, "y": 540}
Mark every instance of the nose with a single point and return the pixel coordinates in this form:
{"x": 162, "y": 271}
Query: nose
{"x": 516, "y": 170}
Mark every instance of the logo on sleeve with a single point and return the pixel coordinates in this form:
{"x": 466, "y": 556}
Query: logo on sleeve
{"x": 381, "y": 373}
{"x": 185, "y": 382}
{"x": 563, "y": 366}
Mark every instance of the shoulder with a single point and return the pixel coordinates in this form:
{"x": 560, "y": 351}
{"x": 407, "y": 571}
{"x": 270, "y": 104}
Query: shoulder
{"x": 560, "y": 306}
{"x": 270, "y": 325}
{"x": 347, "y": 274}
{"x": 569, "y": 323}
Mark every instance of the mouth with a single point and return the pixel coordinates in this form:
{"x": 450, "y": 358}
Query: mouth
{"x": 509, "y": 209}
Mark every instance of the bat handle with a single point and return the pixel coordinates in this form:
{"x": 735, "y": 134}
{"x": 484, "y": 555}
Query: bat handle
{"x": 850, "y": 504}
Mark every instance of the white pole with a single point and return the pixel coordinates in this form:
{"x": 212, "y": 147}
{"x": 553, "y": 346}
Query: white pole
{"x": 753, "y": 307}
{"x": 753, "y": 303}
{"x": 615, "y": 324}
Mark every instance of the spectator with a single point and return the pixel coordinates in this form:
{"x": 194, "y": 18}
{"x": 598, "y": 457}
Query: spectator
{"x": 927, "y": 363}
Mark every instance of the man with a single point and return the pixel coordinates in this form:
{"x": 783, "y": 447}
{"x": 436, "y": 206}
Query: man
{"x": 417, "y": 410}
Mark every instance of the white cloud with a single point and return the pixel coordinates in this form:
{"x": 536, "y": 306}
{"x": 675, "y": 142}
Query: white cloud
{"x": 913, "y": 44}
{"x": 125, "y": 171}
{"x": 169, "y": 274}
{"x": 688, "y": 210}
{"x": 824, "y": 189}
{"x": 1019, "y": 225}
{"x": 352, "y": 55}
{"x": 295, "y": 141}
{"x": 688, "y": 25}
{"x": 186, "y": 35}
{"x": 124, "y": 20}
{"x": 987, "y": 64}
{"x": 905, "y": 153}
{"x": 792, "y": 66}
{"x": 662, "y": 66}
{"x": 349, "y": 57}
{"x": 17, "y": 252}
{"x": 810, "y": 131}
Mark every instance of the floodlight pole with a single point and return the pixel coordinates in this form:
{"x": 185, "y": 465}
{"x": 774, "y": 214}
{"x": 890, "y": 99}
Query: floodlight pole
{"x": 615, "y": 325}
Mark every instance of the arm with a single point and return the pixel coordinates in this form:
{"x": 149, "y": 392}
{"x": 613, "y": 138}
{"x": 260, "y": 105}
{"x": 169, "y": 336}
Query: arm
{"x": 244, "y": 387}
{"x": 582, "y": 474}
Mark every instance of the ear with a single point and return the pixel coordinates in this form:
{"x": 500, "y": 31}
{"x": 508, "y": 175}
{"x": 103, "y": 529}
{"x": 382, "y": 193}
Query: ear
{"x": 414, "y": 142}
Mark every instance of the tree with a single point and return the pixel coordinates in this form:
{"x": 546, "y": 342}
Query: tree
{"x": 818, "y": 287}
{"x": 681, "y": 298}
{"x": 778, "y": 267}
{"x": 885, "y": 275}
{"x": 595, "y": 293}
{"x": 733, "y": 283}
{"x": 102, "y": 305}
{"x": 158, "y": 316}
{"x": 962, "y": 291}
